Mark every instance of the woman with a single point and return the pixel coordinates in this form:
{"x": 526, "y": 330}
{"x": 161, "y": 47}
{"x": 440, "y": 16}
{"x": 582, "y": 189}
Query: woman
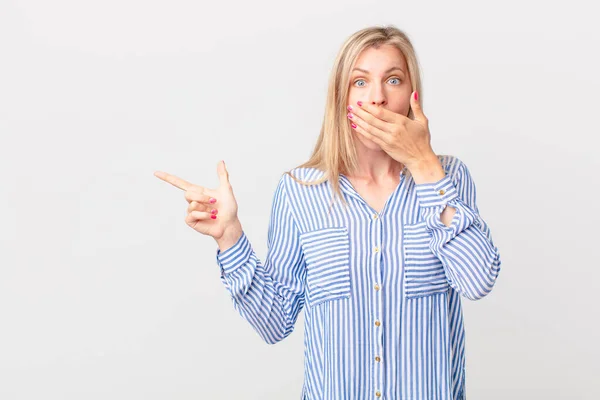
{"x": 379, "y": 274}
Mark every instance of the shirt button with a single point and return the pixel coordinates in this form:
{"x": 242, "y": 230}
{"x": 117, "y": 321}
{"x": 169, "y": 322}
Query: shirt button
{"x": 376, "y": 249}
{"x": 375, "y": 216}
{"x": 441, "y": 192}
{"x": 377, "y": 358}
{"x": 378, "y": 393}
{"x": 377, "y": 323}
{"x": 377, "y": 287}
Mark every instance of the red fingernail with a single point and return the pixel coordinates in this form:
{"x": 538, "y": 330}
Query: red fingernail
{"x": 213, "y": 211}
{"x": 353, "y": 125}
{"x": 349, "y": 115}
{"x": 213, "y": 216}
{"x": 212, "y": 200}
{"x": 359, "y": 103}
{"x": 416, "y": 95}
{"x": 349, "y": 108}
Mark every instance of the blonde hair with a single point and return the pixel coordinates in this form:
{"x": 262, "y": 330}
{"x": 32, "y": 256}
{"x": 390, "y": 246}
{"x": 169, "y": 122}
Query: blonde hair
{"x": 334, "y": 152}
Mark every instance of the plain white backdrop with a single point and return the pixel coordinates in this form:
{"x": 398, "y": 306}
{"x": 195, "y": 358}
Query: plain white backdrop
{"x": 106, "y": 293}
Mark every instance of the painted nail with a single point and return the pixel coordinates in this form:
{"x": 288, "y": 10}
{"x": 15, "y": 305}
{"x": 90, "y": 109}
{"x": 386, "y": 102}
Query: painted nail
{"x": 416, "y": 95}
{"x": 349, "y": 115}
{"x": 353, "y": 125}
{"x": 349, "y": 108}
{"x": 212, "y": 200}
{"x": 213, "y": 211}
{"x": 213, "y": 216}
{"x": 359, "y": 103}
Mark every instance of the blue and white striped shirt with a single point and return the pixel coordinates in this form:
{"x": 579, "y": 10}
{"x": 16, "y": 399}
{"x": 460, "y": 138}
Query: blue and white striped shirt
{"x": 380, "y": 291}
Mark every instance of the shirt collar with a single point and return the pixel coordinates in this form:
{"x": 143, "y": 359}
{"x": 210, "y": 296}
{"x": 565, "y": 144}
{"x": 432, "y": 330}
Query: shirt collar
{"x": 346, "y": 185}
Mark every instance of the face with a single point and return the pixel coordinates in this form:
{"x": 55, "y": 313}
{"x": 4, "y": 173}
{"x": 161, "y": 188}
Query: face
{"x": 380, "y": 77}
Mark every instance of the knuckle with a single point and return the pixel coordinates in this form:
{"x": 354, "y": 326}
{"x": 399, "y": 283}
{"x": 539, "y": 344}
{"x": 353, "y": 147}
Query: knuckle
{"x": 190, "y": 196}
{"x": 192, "y": 206}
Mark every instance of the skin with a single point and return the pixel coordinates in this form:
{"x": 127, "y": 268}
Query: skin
{"x": 386, "y": 141}
{"x": 217, "y": 217}
{"x": 390, "y": 90}
{"x": 385, "y": 83}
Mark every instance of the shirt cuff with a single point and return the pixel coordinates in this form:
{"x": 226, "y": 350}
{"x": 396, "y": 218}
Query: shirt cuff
{"x": 434, "y": 198}
{"x": 436, "y": 193}
{"x": 235, "y": 256}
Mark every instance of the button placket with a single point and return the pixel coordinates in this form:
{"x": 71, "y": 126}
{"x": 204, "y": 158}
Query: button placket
{"x": 376, "y": 229}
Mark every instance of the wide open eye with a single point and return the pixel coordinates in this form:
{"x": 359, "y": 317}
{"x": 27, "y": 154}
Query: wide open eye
{"x": 394, "y": 78}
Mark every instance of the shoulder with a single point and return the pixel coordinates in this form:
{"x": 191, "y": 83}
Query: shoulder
{"x": 290, "y": 178}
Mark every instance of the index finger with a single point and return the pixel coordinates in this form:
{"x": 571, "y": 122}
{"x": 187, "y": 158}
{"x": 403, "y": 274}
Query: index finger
{"x": 379, "y": 112}
{"x": 173, "y": 180}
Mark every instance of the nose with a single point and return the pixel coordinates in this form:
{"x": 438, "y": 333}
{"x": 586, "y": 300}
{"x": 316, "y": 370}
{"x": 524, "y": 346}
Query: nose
{"x": 378, "y": 97}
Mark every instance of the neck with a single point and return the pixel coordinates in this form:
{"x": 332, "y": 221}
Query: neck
{"x": 376, "y": 166}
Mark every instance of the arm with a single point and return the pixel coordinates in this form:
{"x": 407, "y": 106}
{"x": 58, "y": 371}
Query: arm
{"x": 271, "y": 295}
{"x": 471, "y": 260}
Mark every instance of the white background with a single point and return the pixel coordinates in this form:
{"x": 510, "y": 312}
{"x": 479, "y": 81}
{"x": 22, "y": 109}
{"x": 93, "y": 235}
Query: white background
{"x": 106, "y": 293}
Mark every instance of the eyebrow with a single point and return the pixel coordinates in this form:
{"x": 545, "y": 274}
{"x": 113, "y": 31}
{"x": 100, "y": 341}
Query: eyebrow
{"x": 385, "y": 72}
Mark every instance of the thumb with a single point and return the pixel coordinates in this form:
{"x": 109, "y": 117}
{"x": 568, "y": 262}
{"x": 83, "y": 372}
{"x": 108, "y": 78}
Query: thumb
{"x": 416, "y": 107}
{"x": 223, "y": 174}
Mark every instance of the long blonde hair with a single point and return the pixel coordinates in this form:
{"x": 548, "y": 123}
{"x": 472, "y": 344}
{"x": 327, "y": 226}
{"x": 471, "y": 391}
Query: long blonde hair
{"x": 334, "y": 152}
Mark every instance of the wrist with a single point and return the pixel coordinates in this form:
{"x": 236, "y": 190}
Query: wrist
{"x": 427, "y": 162}
{"x": 231, "y": 234}
{"x": 427, "y": 170}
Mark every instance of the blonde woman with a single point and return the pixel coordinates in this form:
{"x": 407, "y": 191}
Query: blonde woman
{"x": 376, "y": 237}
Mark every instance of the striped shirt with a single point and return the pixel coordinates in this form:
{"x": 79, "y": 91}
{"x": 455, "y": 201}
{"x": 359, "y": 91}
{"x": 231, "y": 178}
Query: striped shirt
{"x": 381, "y": 292}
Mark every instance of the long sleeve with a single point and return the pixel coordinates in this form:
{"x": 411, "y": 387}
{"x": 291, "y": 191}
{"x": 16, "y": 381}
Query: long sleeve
{"x": 271, "y": 295}
{"x": 471, "y": 260}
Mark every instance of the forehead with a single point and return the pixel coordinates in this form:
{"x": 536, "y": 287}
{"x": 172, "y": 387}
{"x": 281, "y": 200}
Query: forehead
{"x": 380, "y": 59}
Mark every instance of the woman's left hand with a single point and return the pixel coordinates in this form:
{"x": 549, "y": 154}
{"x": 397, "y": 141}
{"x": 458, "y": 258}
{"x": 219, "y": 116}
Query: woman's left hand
{"x": 406, "y": 140}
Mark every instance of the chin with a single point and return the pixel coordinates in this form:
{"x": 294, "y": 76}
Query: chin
{"x": 369, "y": 144}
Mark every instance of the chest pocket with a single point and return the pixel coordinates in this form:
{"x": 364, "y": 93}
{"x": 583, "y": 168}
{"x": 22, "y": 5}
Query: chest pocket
{"x": 423, "y": 272}
{"x": 327, "y": 256}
